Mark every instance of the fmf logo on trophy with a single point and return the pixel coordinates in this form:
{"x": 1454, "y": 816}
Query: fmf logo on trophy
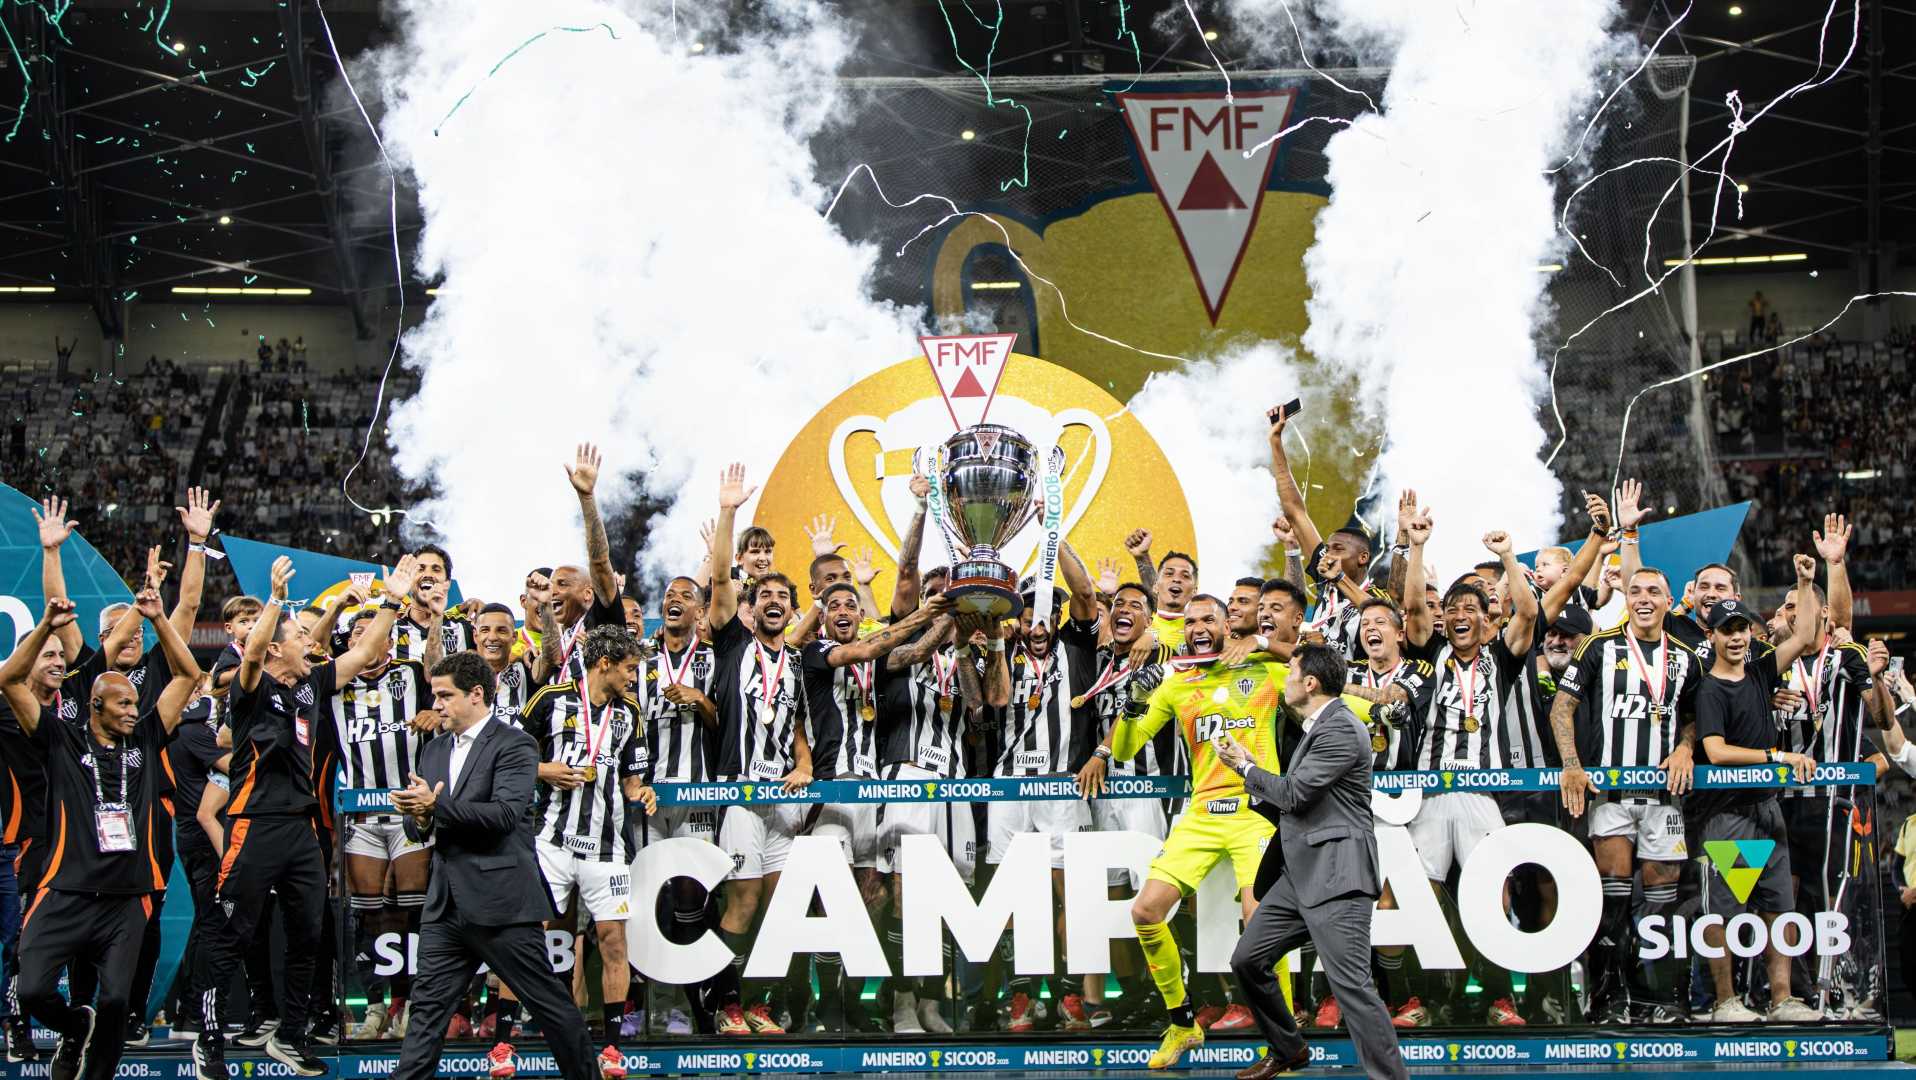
{"x": 876, "y": 436}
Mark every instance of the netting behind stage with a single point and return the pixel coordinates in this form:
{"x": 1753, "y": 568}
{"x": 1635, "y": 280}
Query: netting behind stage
{"x": 911, "y": 133}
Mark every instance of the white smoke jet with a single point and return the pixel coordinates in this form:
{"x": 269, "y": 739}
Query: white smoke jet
{"x": 1208, "y": 417}
{"x": 632, "y": 254}
{"x": 1424, "y": 273}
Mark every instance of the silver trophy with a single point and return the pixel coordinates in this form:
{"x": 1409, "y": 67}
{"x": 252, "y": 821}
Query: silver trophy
{"x": 986, "y": 487}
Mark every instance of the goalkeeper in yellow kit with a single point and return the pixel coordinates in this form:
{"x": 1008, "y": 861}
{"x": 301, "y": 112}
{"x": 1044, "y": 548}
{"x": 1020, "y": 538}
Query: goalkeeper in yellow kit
{"x": 1239, "y": 702}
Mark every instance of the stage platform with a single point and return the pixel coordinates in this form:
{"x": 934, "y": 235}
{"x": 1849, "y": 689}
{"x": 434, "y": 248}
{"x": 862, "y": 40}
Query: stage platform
{"x": 1856, "y": 1052}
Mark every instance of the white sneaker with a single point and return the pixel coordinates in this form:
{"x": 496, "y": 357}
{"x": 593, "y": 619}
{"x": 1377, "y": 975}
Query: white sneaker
{"x": 374, "y": 1025}
{"x": 677, "y": 1023}
{"x": 1791, "y": 1010}
{"x": 400, "y": 1016}
{"x": 904, "y": 1014}
{"x": 1733, "y": 1011}
{"x": 933, "y": 1018}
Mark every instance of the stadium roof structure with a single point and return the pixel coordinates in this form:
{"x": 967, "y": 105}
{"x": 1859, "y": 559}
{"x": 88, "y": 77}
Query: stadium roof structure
{"x": 153, "y": 145}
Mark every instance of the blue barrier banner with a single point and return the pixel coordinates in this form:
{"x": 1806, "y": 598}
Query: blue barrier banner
{"x": 988, "y": 789}
{"x": 1546, "y": 1055}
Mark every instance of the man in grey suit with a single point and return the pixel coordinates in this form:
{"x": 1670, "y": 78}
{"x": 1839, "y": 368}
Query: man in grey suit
{"x": 487, "y": 901}
{"x": 1329, "y": 884}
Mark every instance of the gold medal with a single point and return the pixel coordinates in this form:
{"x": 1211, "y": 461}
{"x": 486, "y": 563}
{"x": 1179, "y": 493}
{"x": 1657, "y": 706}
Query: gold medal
{"x": 1077, "y": 701}
{"x": 1471, "y": 725}
{"x": 1033, "y": 701}
{"x": 1379, "y": 743}
{"x": 944, "y": 702}
{"x": 867, "y": 713}
{"x": 591, "y": 774}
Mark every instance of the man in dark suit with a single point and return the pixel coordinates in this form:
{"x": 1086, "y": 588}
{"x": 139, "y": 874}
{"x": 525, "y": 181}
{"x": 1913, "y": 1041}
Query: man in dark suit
{"x": 487, "y": 900}
{"x": 1329, "y": 884}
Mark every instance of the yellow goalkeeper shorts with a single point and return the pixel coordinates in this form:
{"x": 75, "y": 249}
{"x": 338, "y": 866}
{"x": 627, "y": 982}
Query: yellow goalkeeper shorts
{"x": 1199, "y": 840}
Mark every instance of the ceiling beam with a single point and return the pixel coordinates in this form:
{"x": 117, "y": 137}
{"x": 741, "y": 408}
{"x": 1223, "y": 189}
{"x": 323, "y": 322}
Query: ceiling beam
{"x": 90, "y": 251}
{"x": 300, "y": 76}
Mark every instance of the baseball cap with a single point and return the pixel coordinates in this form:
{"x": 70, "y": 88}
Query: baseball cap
{"x": 1724, "y": 612}
{"x": 1574, "y": 621}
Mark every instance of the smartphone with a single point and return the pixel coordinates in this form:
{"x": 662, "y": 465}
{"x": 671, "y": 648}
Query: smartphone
{"x": 1286, "y": 411}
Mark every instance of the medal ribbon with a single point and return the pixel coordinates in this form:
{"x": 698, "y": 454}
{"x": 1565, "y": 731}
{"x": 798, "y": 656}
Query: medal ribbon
{"x": 1111, "y": 675}
{"x": 594, "y": 734}
{"x": 683, "y": 675}
{"x": 862, "y": 674}
{"x": 1813, "y": 682}
{"x": 1038, "y": 672}
{"x": 1467, "y": 691}
{"x": 768, "y": 686}
{"x": 1377, "y": 681}
{"x": 943, "y": 672}
{"x": 1653, "y": 687}
{"x": 1192, "y": 660}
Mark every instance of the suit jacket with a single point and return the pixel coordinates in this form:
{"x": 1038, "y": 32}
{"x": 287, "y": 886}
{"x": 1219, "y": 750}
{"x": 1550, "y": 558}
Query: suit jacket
{"x": 1328, "y": 837}
{"x": 483, "y": 865}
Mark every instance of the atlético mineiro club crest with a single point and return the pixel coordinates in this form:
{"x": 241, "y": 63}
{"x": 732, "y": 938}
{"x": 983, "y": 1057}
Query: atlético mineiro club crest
{"x": 1192, "y": 144}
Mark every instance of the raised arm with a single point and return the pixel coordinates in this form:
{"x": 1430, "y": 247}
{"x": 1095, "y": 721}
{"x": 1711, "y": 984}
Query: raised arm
{"x": 584, "y": 474}
{"x": 265, "y": 629}
{"x": 1809, "y": 615}
{"x": 1833, "y": 545}
{"x": 997, "y": 668}
{"x": 352, "y": 596}
{"x": 196, "y": 517}
{"x": 1417, "y": 622}
{"x": 1520, "y": 631}
{"x": 1084, "y": 596}
{"x": 51, "y": 516}
{"x": 905, "y": 656}
{"x": 864, "y": 572}
{"x": 1630, "y": 514}
{"x": 378, "y": 637}
{"x": 179, "y": 660}
{"x": 1400, "y": 551}
{"x": 873, "y": 646}
{"x": 1559, "y": 595}
{"x": 733, "y": 491}
{"x": 904, "y": 595}
{"x": 1288, "y": 494}
{"x": 15, "y": 673}
{"x": 1286, "y": 538}
{"x": 1138, "y": 544}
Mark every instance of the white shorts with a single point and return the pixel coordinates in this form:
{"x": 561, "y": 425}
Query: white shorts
{"x": 1053, "y": 817}
{"x": 383, "y": 840}
{"x": 1449, "y": 826}
{"x": 951, "y": 823}
{"x": 854, "y": 826}
{"x": 605, "y": 888}
{"x": 1655, "y": 828}
{"x": 758, "y": 838}
{"x": 1128, "y": 815}
{"x": 671, "y": 822}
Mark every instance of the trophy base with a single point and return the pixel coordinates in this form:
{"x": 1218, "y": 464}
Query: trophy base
{"x": 985, "y": 587}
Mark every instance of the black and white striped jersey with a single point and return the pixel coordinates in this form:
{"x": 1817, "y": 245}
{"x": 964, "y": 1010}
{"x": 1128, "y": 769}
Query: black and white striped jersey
{"x": 921, "y": 715}
{"x": 512, "y": 687}
{"x": 844, "y": 713}
{"x": 372, "y": 720}
{"x": 760, "y": 693}
{"x": 1464, "y": 706}
{"x": 604, "y": 741}
{"x": 1835, "y": 683}
{"x": 1338, "y": 619}
{"x": 1037, "y": 722}
{"x": 1393, "y": 728}
{"x": 1640, "y": 695}
{"x": 676, "y": 751}
{"x": 409, "y": 636}
{"x": 1526, "y": 739}
{"x": 1112, "y": 689}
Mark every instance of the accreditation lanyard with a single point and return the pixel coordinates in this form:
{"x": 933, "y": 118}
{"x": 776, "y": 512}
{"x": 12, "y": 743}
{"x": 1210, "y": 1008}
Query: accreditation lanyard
{"x": 771, "y": 678}
{"x": 112, "y": 821}
{"x": 1653, "y": 688}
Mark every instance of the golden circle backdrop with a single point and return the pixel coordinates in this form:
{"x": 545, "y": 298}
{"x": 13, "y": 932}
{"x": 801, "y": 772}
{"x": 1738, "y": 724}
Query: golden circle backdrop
{"x": 854, "y": 460}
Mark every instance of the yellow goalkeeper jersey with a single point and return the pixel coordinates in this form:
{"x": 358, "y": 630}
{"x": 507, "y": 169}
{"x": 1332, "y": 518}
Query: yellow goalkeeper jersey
{"x": 1239, "y": 702}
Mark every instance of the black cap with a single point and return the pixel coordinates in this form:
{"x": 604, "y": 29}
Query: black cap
{"x": 1574, "y": 621}
{"x": 1724, "y": 612}
{"x": 1028, "y": 589}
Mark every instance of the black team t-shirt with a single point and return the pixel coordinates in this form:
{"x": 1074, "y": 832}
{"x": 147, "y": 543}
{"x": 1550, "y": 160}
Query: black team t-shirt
{"x": 276, "y": 729}
{"x": 84, "y": 775}
{"x": 1739, "y": 712}
{"x": 191, "y": 754}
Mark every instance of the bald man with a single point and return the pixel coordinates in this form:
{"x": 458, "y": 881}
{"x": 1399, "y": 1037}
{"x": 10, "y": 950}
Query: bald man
{"x": 580, "y": 599}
